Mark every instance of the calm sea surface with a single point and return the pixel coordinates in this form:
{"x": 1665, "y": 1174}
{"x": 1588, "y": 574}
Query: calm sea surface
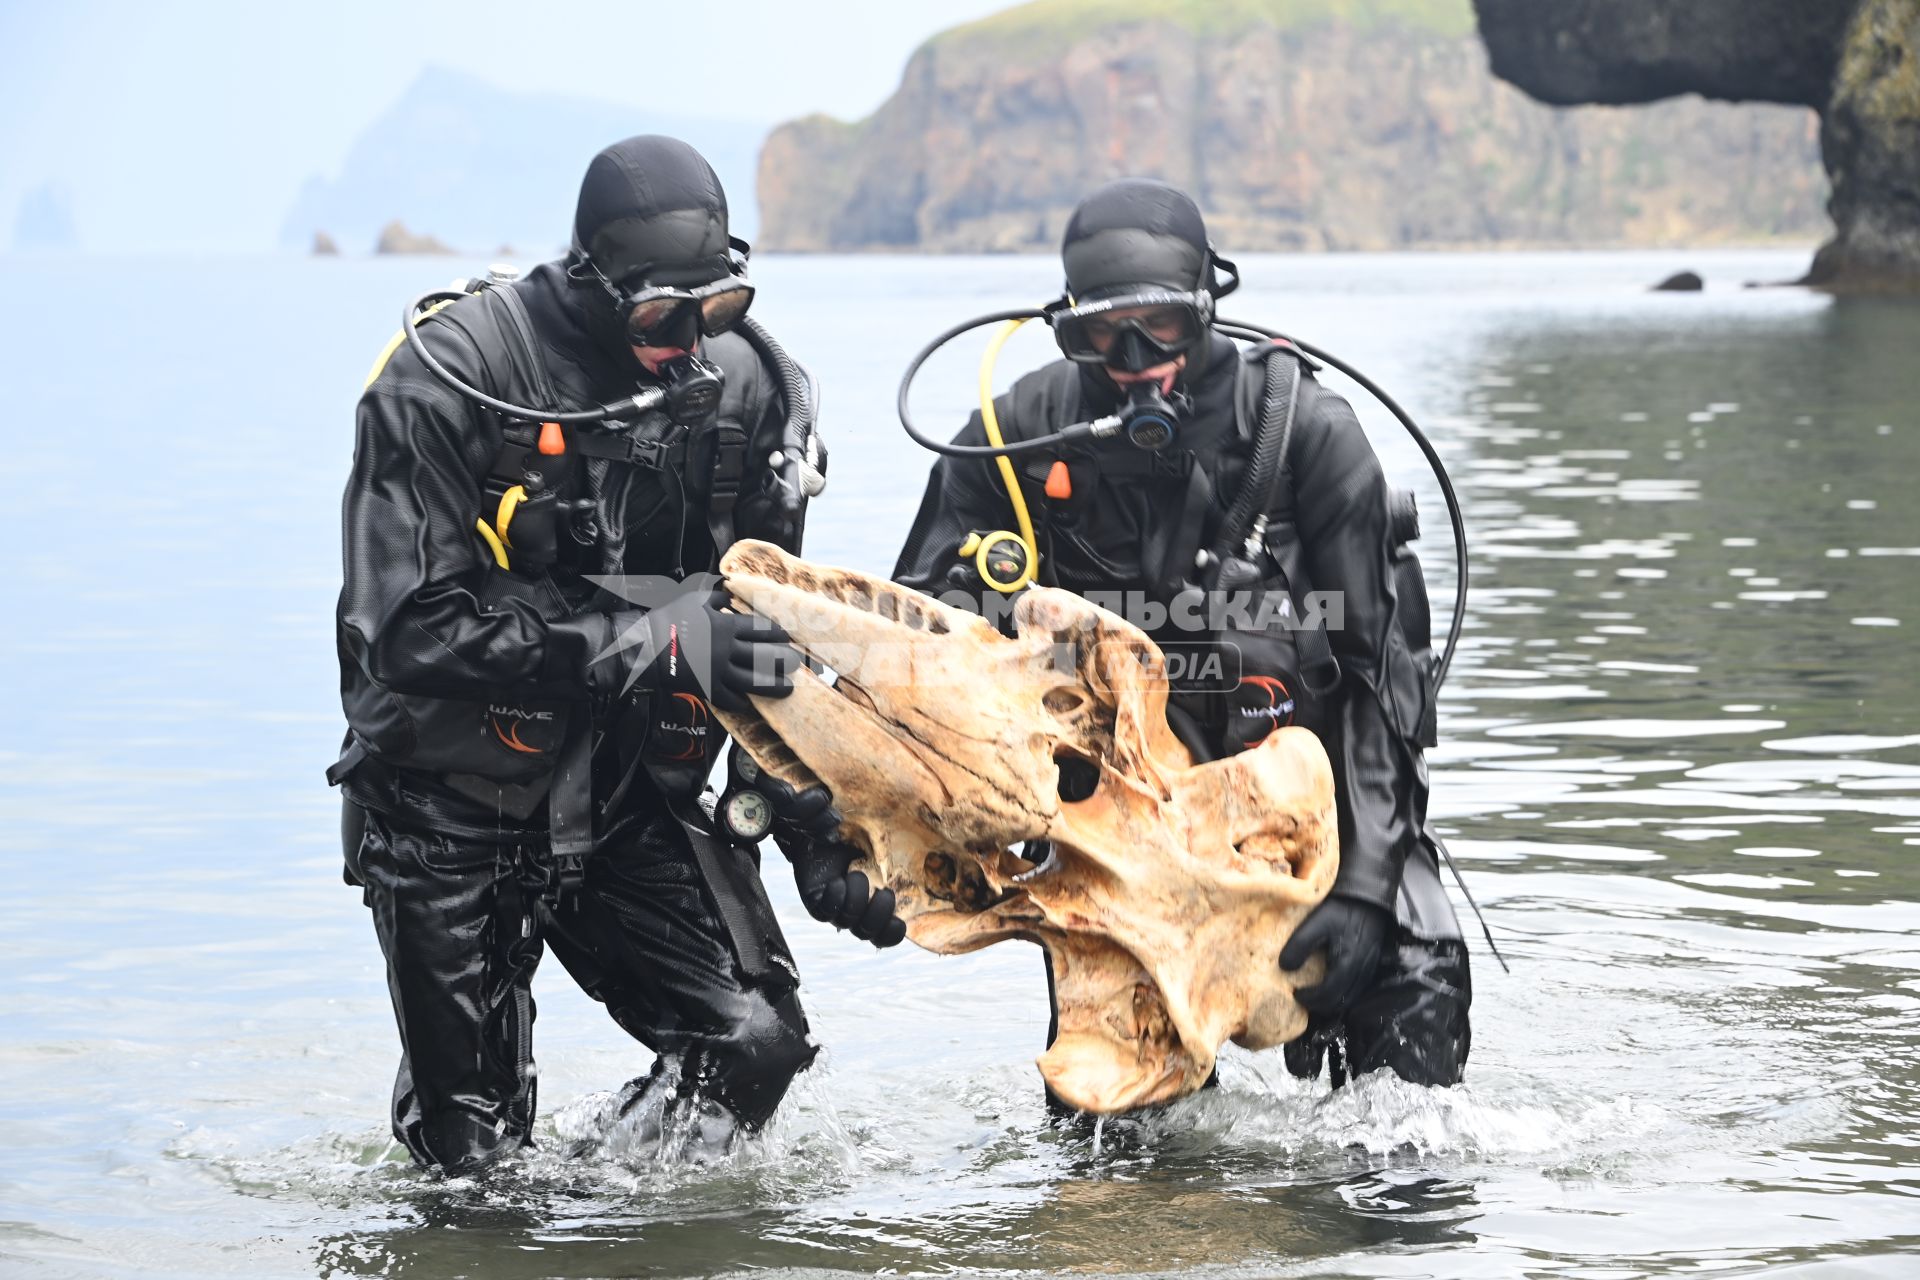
{"x": 1680, "y": 766}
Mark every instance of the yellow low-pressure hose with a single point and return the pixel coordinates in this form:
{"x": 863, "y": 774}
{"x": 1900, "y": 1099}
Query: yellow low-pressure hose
{"x": 386, "y": 352}
{"x": 991, "y": 421}
{"x": 492, "y": 539}
{"x": 509, "y": 503}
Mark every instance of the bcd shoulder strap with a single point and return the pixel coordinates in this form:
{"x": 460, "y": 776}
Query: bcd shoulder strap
{"x": 570, "y": 797}
{"x": 1319, "y": 669}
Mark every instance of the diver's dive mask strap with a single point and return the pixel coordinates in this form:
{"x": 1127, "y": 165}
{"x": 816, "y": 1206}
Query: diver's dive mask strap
{"x": 1215, "y": 265}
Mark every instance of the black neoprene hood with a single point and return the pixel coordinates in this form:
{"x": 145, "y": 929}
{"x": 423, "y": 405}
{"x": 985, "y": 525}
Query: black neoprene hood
{"x": 651, "y": 208}
{"x": 1131, "y": 233}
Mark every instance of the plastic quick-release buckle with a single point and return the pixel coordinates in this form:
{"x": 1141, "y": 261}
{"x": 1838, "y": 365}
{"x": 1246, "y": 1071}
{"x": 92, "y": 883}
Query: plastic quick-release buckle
{"x": 570, "y": 813}
{"x": 566, "y": 877}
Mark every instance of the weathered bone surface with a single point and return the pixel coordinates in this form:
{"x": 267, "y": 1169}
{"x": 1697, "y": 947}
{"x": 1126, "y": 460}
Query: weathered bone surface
{"x": 1169, "y": 891}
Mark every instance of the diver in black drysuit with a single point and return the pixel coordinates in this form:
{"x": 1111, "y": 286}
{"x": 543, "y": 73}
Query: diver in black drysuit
{"x": 479, "y": 684}
{"x": 1397, "y": 988}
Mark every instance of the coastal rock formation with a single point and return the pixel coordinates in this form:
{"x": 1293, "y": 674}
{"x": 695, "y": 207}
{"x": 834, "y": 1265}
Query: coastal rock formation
{"x": 1681, "y": 282}
{"x": 1857, "y": 62}
{"x": 1030, "y": 787}
{"x": 1353, "y": 124}
{"x": 395, "y": 238}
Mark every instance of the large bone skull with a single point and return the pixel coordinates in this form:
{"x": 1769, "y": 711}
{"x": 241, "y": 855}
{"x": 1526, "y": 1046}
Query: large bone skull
{"x": 1168, "y": 892}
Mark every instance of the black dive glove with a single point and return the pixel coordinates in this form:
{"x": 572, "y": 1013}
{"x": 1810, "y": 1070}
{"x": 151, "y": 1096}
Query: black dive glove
{"x": 1354, "y": 934}
{"x": 804, "y": 825}
{"x": 694, "y": 640}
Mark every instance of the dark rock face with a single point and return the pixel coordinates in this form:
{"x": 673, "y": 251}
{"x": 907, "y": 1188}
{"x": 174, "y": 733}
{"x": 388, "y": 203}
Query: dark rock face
{"x": 1681, "y": 282}
{"x": 1569, "y": 52}
{"x": 1857, "y": 62}
{"x": 1870, "y": 138}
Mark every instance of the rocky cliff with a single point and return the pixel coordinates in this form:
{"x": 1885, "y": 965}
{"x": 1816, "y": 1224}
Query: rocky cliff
{"x": 1315, "y": 124}
{"x": 1856, "y": 61}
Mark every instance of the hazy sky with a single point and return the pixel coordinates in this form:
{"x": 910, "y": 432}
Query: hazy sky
{"x": 191, "y": 125}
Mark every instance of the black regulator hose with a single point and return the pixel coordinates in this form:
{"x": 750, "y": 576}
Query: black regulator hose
{"x": 803, "y": 461}
{"x": 1254, "y": 333}
{"x": 1078, "y": 431}
{"x": 633, "y": 405}
{"x": 795, "y": 385}
{"x": 1269, "y": 448}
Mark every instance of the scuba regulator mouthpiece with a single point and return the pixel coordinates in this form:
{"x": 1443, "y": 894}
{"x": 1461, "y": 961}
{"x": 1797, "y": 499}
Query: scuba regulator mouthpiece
{"x": 692, "y": 388}
{"x": 1150, "y": 418}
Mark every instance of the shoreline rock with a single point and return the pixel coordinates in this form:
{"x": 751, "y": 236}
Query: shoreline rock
{"x": 396, "y": 239}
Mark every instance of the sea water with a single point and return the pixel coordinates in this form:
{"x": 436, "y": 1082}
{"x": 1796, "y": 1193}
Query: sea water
{"x": 1680, "y": 763}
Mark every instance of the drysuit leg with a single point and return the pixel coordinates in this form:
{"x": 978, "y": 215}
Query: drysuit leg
{"x": 461, "y": 945}
{"x": 656, "y": 937}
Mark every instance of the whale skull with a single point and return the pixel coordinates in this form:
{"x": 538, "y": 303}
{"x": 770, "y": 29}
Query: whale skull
{"x": 1162, "y": 898}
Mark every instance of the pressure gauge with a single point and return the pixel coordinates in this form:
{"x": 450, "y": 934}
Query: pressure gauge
{"x": 747, "y": 816}
{"x": 1000, "y": 558}
{"x": 746, "y": 770}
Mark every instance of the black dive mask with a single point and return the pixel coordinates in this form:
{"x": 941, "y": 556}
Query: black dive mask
{"x": 663, "y": 315}
{"x": 1134, "y": 331}
{"x": 1151, "y": 418}
{"x": 693, "y": 388}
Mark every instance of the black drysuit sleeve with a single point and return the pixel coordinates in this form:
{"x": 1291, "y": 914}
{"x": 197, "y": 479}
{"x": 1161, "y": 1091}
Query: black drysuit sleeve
{"x": 410, "y": 611}
{"x": 1343, "y": 519}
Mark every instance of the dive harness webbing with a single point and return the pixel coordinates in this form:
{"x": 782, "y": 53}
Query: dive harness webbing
{"x": 570, "y": 807}
{"x": 1319, "y": 669}
{"x": 570, "y": 797}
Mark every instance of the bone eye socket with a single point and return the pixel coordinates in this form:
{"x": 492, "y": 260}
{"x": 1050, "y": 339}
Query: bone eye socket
{"x": 1079, "y": 776}
{"x": 1065, "y": 700}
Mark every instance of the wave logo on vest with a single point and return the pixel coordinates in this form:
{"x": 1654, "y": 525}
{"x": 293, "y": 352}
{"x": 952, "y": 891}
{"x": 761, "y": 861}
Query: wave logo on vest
{"x": 509, "y": 732}
{"x": 683, "y": 716}
{"x": 1280, "y": 701}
